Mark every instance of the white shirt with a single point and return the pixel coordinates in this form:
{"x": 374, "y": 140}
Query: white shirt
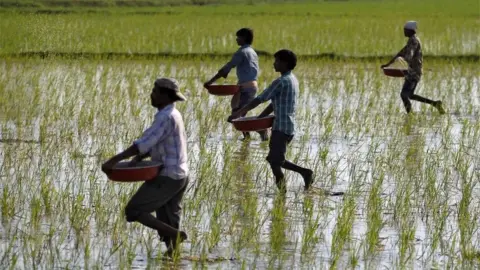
{"x": 166, "y": 142}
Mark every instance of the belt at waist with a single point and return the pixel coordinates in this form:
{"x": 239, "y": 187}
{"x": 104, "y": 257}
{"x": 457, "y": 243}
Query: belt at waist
{"x": 250, "y": 84}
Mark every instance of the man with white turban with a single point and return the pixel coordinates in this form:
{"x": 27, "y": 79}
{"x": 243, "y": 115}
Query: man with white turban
{"x": 412, "y": 53}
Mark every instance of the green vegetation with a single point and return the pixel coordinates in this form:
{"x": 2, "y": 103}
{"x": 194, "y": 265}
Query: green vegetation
{"x": 411, "y": 183}
{"x": 354, "y": 29}
{"x": 124, "y": 3}
{"x": 60, "y": 119}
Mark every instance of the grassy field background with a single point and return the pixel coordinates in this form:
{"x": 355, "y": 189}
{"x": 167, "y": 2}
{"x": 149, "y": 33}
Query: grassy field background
{"x": 345, "y": 28}
{"x": 124, "y": 3}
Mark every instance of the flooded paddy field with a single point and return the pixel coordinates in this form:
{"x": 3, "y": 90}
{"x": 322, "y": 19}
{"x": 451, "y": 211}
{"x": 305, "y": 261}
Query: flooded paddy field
{"x": 410, "y": 184}
{"x": 391, "y": 190}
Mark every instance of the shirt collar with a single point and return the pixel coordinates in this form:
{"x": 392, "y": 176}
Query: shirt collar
{"x": 245, "y": 46}
{"x": 287, "y": 73}
{"x": 166, "y": 109}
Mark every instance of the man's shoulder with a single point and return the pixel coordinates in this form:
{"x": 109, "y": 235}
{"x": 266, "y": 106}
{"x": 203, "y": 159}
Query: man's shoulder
{"x": 287, "y": 82}
{"x": 176, "y": 115}
{"x": 290, "y": 78}
{"x": 278, "y": 80}
{"x": 173, "y": 112}
{"x": 247, "y": 50}
{"x": 166, "y": 113}
{"x": 414, "y": 40}
{"x": 172, "y": 117}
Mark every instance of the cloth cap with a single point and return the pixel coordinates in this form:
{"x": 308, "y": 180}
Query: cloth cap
{"x": 171, "y": 84}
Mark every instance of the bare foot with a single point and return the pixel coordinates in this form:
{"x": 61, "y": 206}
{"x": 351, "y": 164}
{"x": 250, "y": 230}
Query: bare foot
{"x": 281, "y": 185}
{"x": 173, "y": 248}
{"x": 246, "y": 136}
{"x": 308, "y": 178}
{"x": 438, "y": 105}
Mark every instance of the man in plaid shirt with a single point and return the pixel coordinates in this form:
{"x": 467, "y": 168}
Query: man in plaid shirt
{"x": 412, "y": 53}
{"x": 283, "y": 93}
{"x": 165, "y": 142}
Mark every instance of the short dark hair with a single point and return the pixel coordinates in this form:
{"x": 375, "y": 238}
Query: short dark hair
{"x": 247, "y": 34}
{"x": 287, "y": 56}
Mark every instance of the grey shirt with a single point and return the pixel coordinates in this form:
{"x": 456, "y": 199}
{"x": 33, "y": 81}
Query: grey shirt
{"x": 246, "y": 62}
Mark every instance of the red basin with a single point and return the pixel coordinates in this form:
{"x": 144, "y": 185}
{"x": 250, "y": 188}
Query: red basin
{"x": 223, "y": 90}
{"x": 394, "y": 72}
{"x": 141, "y": 171}
{"x": 253, "y": 123}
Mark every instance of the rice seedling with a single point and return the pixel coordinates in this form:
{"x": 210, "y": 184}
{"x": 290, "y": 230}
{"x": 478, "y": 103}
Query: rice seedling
{"x": 227, "y": 209}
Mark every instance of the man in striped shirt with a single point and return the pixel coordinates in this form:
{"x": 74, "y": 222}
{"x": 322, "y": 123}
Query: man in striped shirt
{"x": 283, "y": 93}
{"x": 165, "y": 142}
{"x": 412, "y": 53}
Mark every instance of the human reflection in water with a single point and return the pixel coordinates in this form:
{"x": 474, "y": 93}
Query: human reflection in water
{"x": 278, "y": 229}
{"x": 415, "y": 148}
{"x": 242, "y": 169}
{"x": 245, "y": 200}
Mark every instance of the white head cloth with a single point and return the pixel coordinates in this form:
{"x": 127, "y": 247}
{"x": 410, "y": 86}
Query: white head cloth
{"x": 411, "y": 25}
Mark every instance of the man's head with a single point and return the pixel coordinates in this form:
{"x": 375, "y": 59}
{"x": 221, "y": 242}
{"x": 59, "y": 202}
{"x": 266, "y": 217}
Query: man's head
{"x": 410, "y": 28}
{"x": 244, "y": 36}
{"x": 285, "y": 60}
{"x": 165, "y": 91}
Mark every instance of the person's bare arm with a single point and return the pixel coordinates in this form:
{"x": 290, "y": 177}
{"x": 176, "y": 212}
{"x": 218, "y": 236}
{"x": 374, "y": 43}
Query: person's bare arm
{"x": 223, "y": 72}
{"x": 267, "y": 111}
{"x": 129, "y": 152}
{"x": 220, "y": 74}
{"x": 141, "y": 147}
{"x": 250, "y": 106}
{"x": 138, "y": 158}
{"x": 401, "y": 53}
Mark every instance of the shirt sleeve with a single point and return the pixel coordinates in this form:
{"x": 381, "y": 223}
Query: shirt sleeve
{"x": 154, "y": 134}
{"x": 409, "y": 49}
{"x": 271, "y": 91}
{"x": 235, "y": 61}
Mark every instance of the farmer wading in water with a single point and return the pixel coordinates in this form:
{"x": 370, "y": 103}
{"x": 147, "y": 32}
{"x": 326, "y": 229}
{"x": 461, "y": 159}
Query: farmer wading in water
{"x": 412, "y": 53}
{"x": 246, "y": 62}
{"x": 165, "y": 142}
{"x": 283, "y": 93}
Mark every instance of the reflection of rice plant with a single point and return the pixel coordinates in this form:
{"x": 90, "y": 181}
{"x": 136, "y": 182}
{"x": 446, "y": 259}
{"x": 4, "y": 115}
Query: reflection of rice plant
{"x": 226, "y": 209}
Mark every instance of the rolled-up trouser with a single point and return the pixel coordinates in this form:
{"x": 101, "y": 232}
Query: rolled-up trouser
{"x": 278, "y": 148}
{"x": 162, "y": 195}
{"x": 244, "y": 95}
{"x": 242, "y": 98}
{"x": 408, "y": 93}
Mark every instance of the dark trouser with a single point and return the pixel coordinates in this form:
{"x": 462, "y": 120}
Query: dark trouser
{"x": 407, "y": 94}
{"x": 246, "y": 95}
{"x": 162, "y": 195}
{"x": 276, "y": 157}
